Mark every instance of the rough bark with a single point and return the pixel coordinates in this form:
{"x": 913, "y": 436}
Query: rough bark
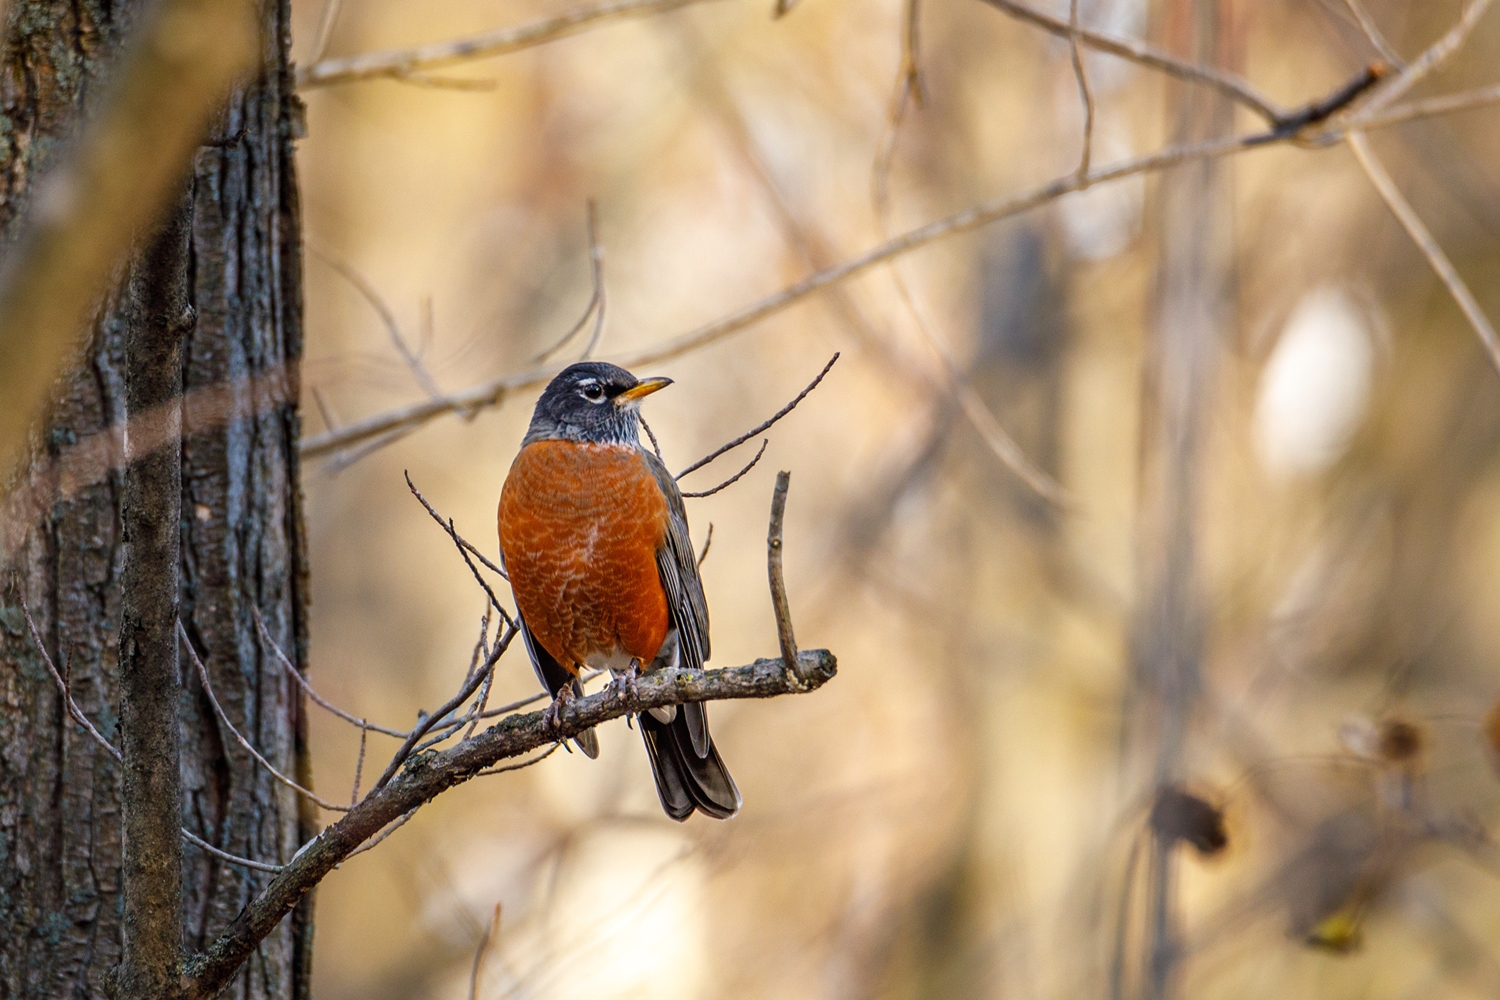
{"x": 241, "y": 545}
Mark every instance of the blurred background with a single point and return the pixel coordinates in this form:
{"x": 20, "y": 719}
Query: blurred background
{"x": 1270, "y": 589}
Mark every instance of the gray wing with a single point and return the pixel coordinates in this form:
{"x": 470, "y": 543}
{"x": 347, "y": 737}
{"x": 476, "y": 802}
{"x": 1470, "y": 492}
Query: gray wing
{"x": 677, "y": 564}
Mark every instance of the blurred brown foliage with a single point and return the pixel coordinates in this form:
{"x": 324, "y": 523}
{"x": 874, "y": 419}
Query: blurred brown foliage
{"x": 967, "y": 810}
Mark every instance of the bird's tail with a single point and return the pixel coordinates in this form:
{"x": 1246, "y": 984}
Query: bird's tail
{"x": 689, "y": 772}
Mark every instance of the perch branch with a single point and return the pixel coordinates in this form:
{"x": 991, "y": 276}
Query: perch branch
{"x": 428, "y": 775}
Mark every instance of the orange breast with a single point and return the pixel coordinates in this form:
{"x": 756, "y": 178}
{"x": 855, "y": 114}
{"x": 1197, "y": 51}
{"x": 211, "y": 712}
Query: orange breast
{"x": 580, "y": 525}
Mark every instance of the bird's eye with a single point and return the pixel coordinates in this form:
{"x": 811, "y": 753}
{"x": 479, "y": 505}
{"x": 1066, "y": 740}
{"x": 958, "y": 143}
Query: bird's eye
{"x": 594, "y": 393}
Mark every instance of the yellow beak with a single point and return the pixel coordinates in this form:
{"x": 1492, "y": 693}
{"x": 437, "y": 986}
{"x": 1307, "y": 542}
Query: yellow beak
{"x": 641, "y": 389}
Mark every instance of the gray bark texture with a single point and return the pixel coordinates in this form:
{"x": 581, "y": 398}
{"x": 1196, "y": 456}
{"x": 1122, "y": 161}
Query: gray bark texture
{"x": 241, "y": 542}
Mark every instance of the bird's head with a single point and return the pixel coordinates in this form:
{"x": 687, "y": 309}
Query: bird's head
{"x": 594, "y": 402}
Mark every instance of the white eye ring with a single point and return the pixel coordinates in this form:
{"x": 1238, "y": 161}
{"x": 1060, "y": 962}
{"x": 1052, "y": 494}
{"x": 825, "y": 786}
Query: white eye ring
{"x": 593, "y": 392}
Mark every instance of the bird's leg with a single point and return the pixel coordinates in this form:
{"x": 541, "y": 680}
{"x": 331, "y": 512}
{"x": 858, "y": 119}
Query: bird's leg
{"x": 552, "y": 714}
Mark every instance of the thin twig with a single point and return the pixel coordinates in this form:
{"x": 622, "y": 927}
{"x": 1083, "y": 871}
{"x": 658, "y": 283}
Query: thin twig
{"x": 495, "y": 391}
{"x": 708, "y": 541}
{"x": 655, "y": 445}
{"x": 464, "y": 549}
{"x": 765, "y": 425}
{"x": 326, "y": 22}
{"x": 462, "y": 542}
{"x": 734, "y": 478}
{"x": 1430, "y": 107}
{"x": 1085, "y": 94}
{"x": 523, "y": 764}
{"x": 1422, "y": 237}
{"x": 417, "y": 78}
{"x": 372, "y": 295}
{"x": 485, "y": 944}
{"x": 324, "y": 410}
{"x": 396, "y": 63}
{"x": 1435, "y": 55}
{"x": 464, "y": 693}
{"x": 70, "y": 705}
{"x": 379, "y": 838}
{"x": 1373, "y": 34}
{"x": 234, "y": 859}
{"x": 595, "y": 305}
{"x": 310, "y": 795}
{"x": 307, "y": 687}
{"x": 1150, "y": 56}
{"x": 359, "y": 765}
{"x": 779, "y": 602}
{"x": 534, "y": 698}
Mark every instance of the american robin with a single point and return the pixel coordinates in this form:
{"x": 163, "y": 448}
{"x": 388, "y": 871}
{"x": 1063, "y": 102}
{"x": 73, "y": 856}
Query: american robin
{"x": 594, "y": 536}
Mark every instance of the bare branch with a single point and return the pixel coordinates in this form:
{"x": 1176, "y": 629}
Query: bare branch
{"x": 326, "y": 22}
{"x": 307, "y": 687}
{"x": 380, "y": 838}
{"x": 208, "y": 689}
{"x": 1432, "y": 106}
{"x": 399, "y": 63}
{"x": 596, "y": 300}
{"x": 371, "y": 295}
{"x": 464, "y": 548}
{"x": 1372, "y": 33}
{"x": 234, "y": 859}
{"x": 1436, "y": 54}
{"x": 764, "y": 425}
{"x": 431, "y": 774}
{"x": 1084, "y": 93}
{"x": 1417, "y": 230}
{"x": 62, "y": 685}
{"x": 1228, "y": 84}
{"x": 734, "y": 478}
{"x": 523, "y": 764}
{"x": 779, "y": 603}
{"x": 485, "y": 944}
{"x": 708, "y": 541}
{"x": 441, "y": 715}
{"x": 655, "y": 444}
{"x": 494, "y": 392}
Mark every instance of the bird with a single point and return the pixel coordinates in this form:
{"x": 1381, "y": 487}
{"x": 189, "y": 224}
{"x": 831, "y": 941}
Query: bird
{"x": 594, "y": 537}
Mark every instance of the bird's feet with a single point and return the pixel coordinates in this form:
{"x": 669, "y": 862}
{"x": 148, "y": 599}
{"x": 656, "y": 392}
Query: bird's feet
{"x": 626, "y": 684}
{"x": 552, "y": 714}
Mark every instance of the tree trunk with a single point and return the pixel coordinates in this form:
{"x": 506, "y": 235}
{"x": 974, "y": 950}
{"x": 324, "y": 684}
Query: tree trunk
{"x": 242, "y": 544}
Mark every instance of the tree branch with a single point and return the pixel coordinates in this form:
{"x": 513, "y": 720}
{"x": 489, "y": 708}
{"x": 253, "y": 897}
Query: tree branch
{"x": 397, "y": 64}
{"x": 429, "y": 774}
{"x": 1228, "y": 84}
{"x": 1423, "y": 238}
{"x": 495, "y": 391}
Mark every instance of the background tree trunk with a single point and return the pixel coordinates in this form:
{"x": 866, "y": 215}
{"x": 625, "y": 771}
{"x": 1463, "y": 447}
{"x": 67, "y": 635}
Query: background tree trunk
{"x": 242, "y": 543}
